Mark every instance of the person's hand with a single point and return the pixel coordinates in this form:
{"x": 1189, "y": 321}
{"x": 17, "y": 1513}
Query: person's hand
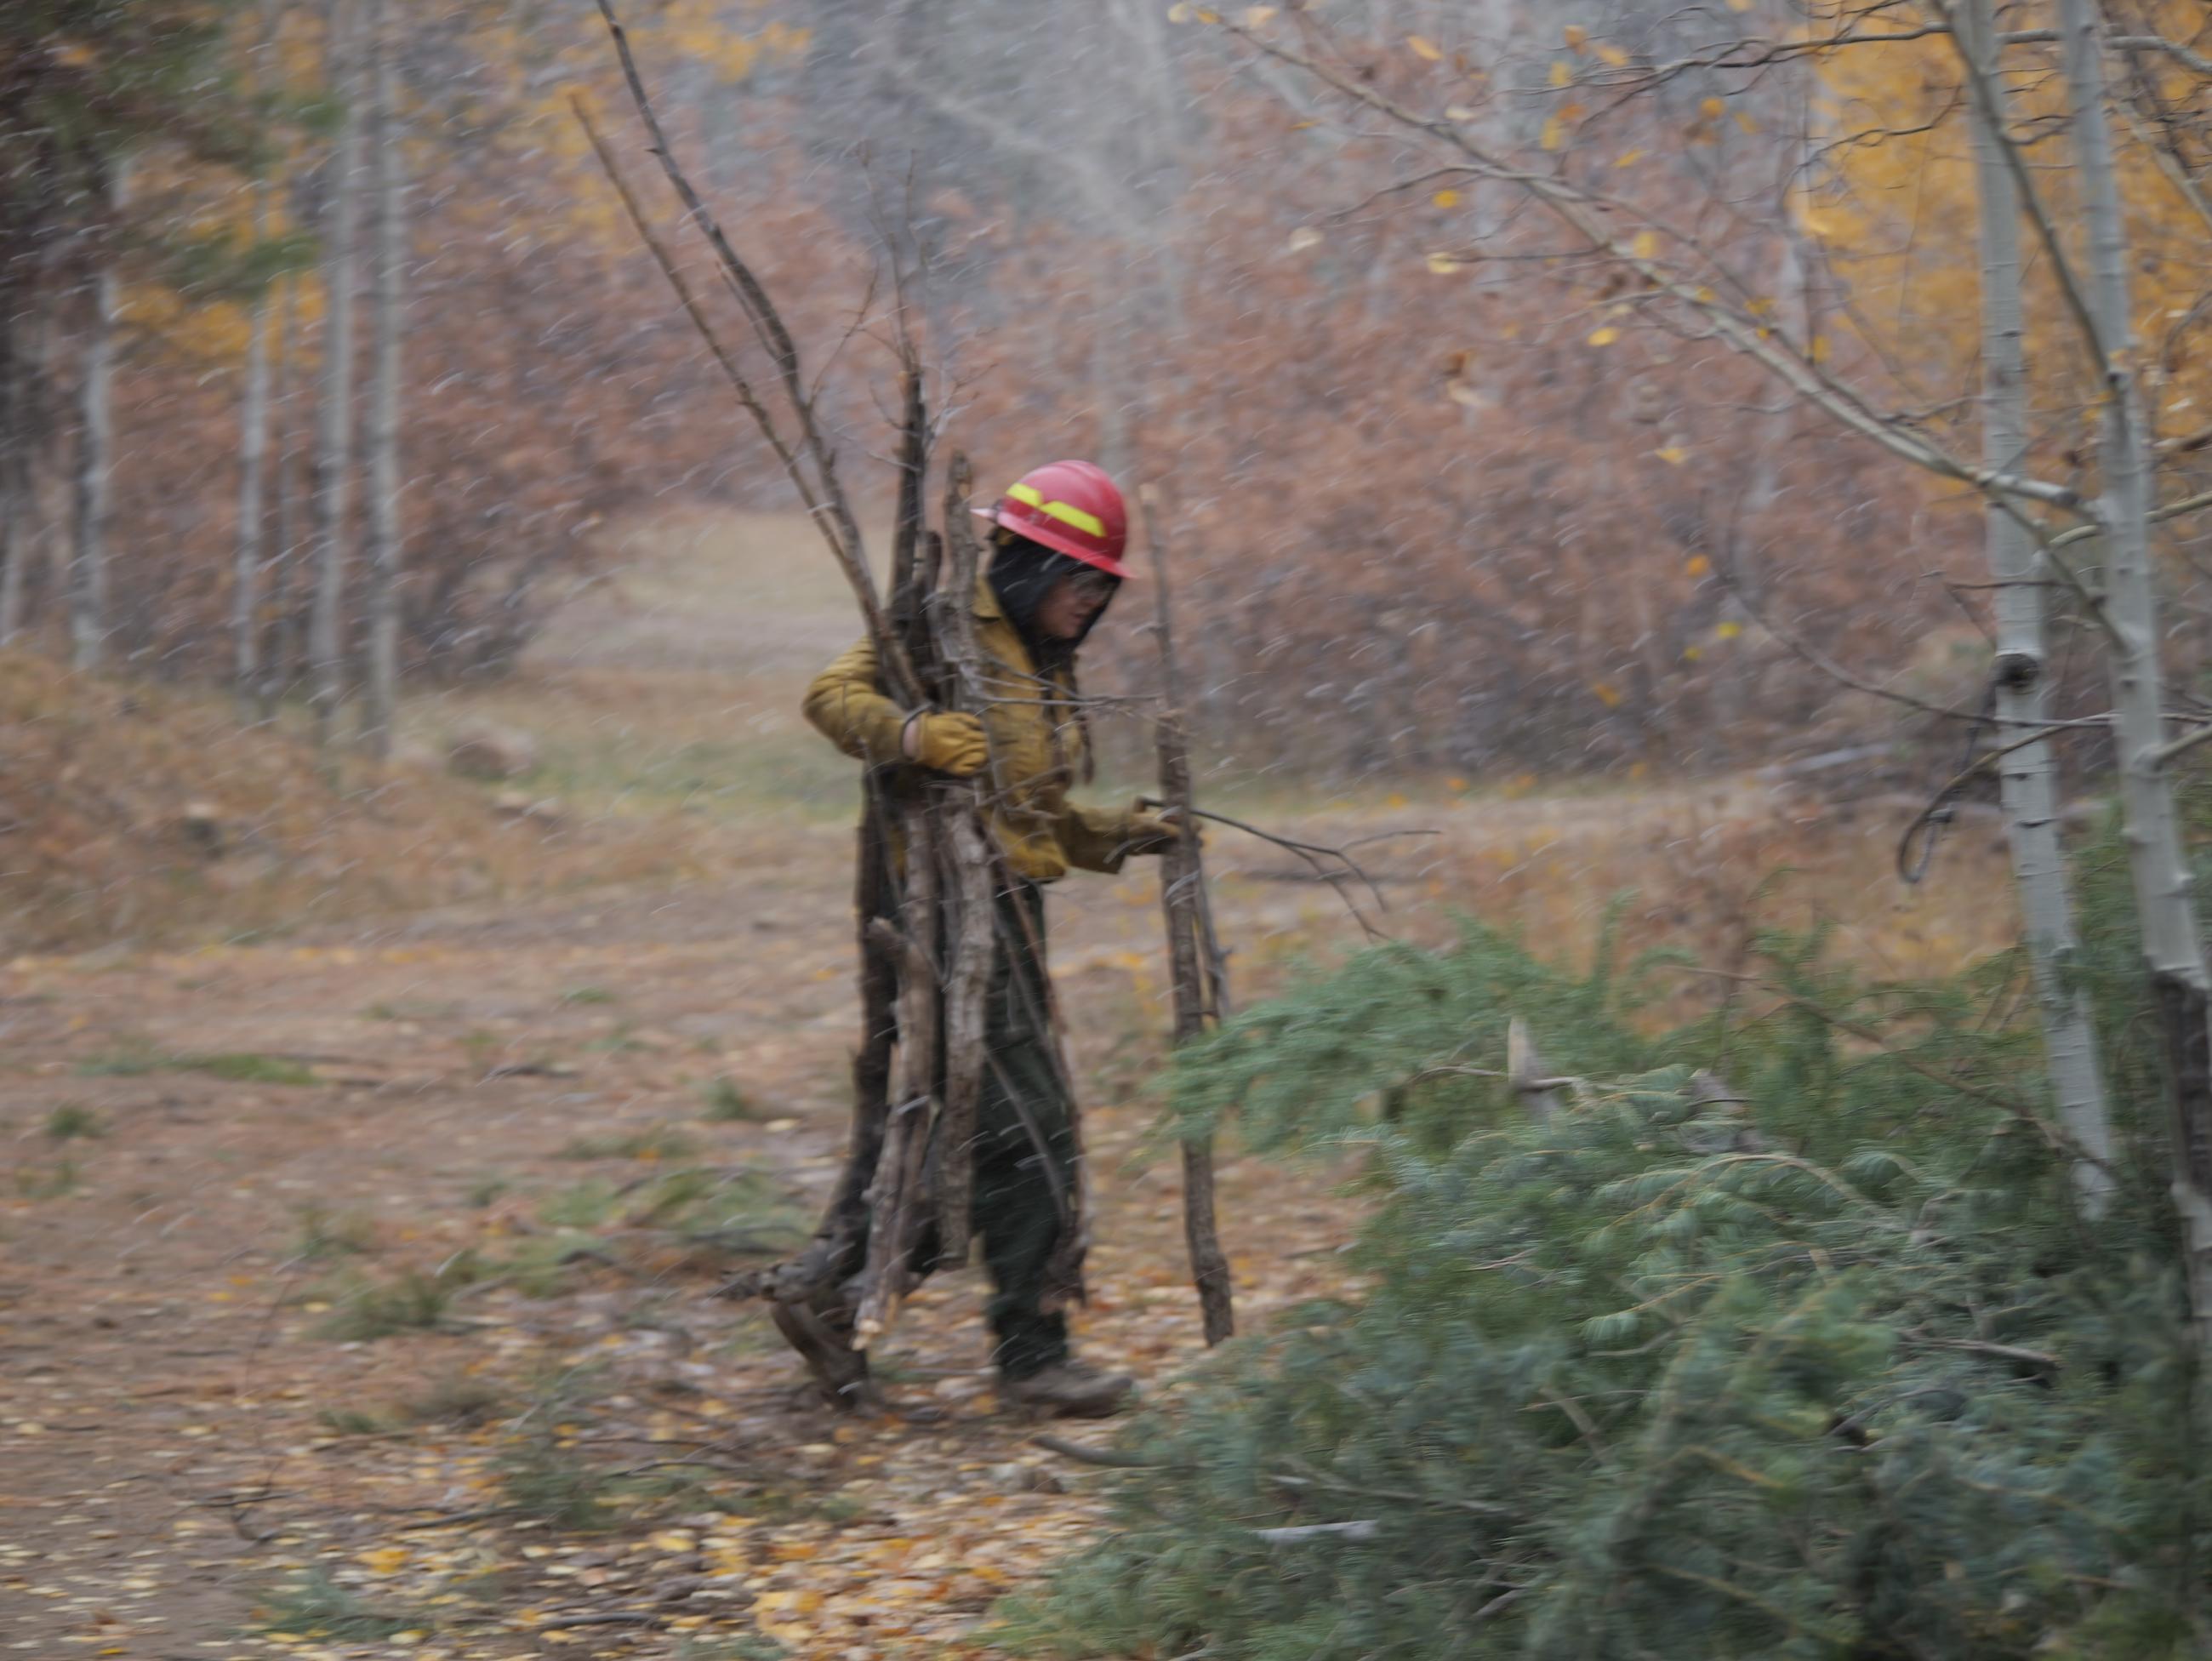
{"x": 1151, "y": 832}
{"x": 953, "y": 745}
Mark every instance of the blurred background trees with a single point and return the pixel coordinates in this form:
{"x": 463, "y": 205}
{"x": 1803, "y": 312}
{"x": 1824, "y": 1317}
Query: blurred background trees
{"x": 1448, "y": 508}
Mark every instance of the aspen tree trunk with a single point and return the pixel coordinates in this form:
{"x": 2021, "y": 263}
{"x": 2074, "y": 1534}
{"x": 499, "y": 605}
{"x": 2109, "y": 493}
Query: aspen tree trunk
{"x": 95, "y": 459}
{"x": 2173, "y": 951}
{"x": 46, "y": 551}
{"x": 15, "y": 471}
{"x": 334, "y": 424}
{"x": 281, "y": 671}
{"x": 252, "y": 454}
{"x": 2029, "y": 778}
{"x": 390, "y": 186}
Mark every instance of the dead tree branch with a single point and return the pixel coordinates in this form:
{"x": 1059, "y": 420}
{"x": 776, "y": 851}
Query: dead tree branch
{"x": 1194, "y": 956}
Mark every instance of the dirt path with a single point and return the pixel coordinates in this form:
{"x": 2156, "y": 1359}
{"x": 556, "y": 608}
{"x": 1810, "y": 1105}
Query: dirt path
{"x": 184, "y": 1429}
{"x": 356, "y": 1289}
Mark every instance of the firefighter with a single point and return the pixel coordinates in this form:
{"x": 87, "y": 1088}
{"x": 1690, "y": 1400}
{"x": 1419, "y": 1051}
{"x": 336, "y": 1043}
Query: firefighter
{"x": 1056, "y": 550}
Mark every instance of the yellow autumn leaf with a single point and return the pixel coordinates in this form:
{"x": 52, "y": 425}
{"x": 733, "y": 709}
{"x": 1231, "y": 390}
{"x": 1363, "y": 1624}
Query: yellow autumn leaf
{"x": 1182, "y": 12}
{"x": 1697, "y": 566}
{"x": 1553, "y": 134}
{"x": 1611, "y": 56}
{"x": 1672, "y": 455}
{"x": 1575, "y": 34}
{"x": 1604, "y": 337}
{"x": 1712, "y": 109}
{"x": 1445, "y": 198}
{"x": 800, "y": 1601}
{"x": 1728, "y": 630}
{"x": 1691, "y": 654}
{"x": 1561, "y": 74}
{"x": 1645, "y": 246}
{"x": 1424, "y": 48}
{"x": 1608, "y": 693}
{"x": 1395, "y": 800}
{"x": 385, "y": 1559}
{"x": 1746, "y": 122}
{"x": 1819, "y": 349}
{"x": 1442, "y": 264}
{"x": 1629, "y": 158}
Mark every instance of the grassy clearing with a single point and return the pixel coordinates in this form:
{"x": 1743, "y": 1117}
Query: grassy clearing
{"x": 353, "y": 1421}
{"x": 119, "y": 849}
{"x": 742, "y": 1212}
{"x": 312, "y": 1607}
{"x": 722, "y": 1102}
{"x": 410, "y": 1009}
{"x": 653, "y": 1143}
{"x": 53, "y": 1182}
{"x": 325, "y": 1235}
{"x": 457, "y": 1400}
{"x": 411, "y": 1301}
{"x": 134, "y": 1058}
{"x": 73, "y": 1119}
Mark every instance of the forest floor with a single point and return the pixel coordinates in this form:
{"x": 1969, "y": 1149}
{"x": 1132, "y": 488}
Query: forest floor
{"x": 355, "y": 1281}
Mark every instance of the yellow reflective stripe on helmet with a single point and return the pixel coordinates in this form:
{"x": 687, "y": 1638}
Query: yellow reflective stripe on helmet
{"x": 1075, "y": 516}
{"x": 1030, "y": 494}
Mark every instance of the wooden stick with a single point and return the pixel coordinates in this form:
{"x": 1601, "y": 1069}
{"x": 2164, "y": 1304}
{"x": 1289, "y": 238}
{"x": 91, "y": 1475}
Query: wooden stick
{"x": 1525, "y": 1068}
{"x": 968, "y": 880}
{"x": 827, "y": 504}
{"x": 1193, "y": 956}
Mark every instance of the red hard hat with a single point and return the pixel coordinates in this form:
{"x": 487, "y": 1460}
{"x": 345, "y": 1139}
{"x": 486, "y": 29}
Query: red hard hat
{"x": 1071, "y": 508}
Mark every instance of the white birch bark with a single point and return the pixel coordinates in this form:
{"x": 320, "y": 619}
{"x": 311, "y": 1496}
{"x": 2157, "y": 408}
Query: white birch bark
{"x": 334, "y": 415}
{"x": 280, "y": 674}
{"x": 384, "y": 551}
{"x": 252, "y": 454}
{"x": 2029, "y": 775}
{"x": 95, "y": 456}
{"x": 2172, "y": 946}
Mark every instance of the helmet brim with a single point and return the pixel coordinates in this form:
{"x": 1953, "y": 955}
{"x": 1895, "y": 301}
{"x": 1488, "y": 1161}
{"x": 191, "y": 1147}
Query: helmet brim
{"x": 1059, "y": 541}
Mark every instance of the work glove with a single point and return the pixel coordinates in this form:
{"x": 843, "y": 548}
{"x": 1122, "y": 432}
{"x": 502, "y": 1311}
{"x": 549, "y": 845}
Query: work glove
{"x": 953, "y": 745}
{"x": 1150, "y": 833}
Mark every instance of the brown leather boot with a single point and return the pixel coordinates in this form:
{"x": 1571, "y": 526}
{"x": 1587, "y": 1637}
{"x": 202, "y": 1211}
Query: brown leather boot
{"x": 1070, "y": 1390}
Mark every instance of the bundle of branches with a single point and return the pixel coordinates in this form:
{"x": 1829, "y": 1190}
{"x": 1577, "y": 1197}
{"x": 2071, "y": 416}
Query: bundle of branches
{"x": 929, "y": 872}
{"x": 924, "y": 895}
{"x": 1818, "y": 1365}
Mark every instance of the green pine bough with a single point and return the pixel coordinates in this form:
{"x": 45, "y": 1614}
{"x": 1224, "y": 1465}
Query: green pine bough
{"x": 1817, "y": 1363}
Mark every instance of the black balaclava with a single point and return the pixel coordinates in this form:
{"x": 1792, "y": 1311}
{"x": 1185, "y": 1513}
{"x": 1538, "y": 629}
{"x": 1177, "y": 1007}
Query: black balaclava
{"x": 1022, "y": 574}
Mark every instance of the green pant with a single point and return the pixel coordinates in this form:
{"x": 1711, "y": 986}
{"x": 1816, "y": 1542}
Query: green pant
{"x": 1023, "y": 1193}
